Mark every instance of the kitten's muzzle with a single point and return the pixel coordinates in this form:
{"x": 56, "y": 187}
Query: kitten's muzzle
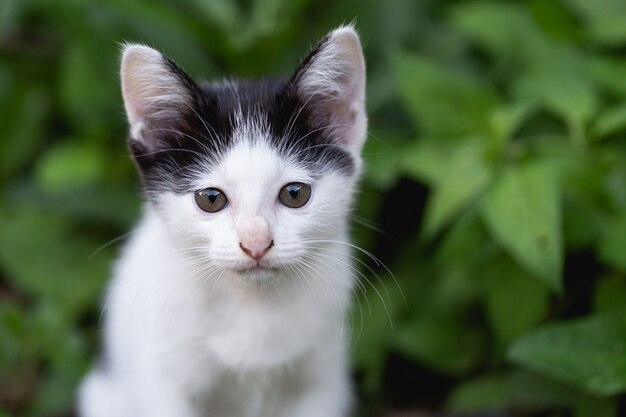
{"x": 256, "y": 249}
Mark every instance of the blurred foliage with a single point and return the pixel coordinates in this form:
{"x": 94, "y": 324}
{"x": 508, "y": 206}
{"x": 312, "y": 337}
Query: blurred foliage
{"x": 506, "y": 118}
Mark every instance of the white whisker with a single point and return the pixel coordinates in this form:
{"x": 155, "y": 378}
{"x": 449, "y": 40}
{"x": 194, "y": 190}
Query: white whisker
{"x": 377, "y": 261}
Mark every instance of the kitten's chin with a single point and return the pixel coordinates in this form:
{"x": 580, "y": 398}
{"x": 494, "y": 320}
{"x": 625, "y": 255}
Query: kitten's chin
{"x": 258, "y": 273}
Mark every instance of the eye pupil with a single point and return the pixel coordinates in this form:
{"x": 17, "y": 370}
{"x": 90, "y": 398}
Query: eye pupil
{"x": 295, "y": 194}
{"x": 211, "y": 200}
{"x": 293, "y": 191}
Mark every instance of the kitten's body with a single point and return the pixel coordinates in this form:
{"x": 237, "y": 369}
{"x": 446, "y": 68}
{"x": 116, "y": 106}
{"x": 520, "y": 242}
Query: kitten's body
{"x": 198, "y": 324}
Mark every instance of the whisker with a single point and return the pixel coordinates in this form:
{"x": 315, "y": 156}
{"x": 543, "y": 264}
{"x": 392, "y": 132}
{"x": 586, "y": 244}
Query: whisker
{"x": 368, "y": 268}
{"x": 212, "y": 135}
{"x": 369, "y": 224}
{"x": 377, "y": 261}
{"x": 300, "y": 139}
{"x": 348, "y": 268}
{"x": 172, "y": 150}
{"x": 178, "y": 132}
{"x": 110, "y": 242}
{"x": 353, "y": 290}
{"x": 292, "y": 122}
{"x": 325, "y": 279}
{"x": 329, "y": 258}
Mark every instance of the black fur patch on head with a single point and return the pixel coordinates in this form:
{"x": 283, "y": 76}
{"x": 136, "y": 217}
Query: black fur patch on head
{"x": 207, "y": 129}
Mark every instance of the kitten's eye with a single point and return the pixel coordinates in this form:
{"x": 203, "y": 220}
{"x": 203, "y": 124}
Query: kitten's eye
{"x": 211, "y": 200}
{"x": 295, "y": 194}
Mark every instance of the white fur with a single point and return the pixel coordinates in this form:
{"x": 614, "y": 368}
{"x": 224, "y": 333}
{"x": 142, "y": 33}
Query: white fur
{"x": 188, "y": 336}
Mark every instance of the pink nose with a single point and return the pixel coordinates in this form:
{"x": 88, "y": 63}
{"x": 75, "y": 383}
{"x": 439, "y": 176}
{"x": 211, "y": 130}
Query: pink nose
{"x": 256, "y": 249}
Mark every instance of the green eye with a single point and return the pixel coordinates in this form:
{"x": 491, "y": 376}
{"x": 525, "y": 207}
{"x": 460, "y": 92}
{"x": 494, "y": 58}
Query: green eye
{"x": 295, "y": 194}
{"x": 211, "y": 200}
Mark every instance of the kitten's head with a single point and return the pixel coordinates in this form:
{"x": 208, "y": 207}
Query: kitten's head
{"x": 250, "y": 175}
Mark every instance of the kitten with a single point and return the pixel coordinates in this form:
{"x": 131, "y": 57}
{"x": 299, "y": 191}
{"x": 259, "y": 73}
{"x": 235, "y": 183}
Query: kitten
{"x": 229, "y": 299}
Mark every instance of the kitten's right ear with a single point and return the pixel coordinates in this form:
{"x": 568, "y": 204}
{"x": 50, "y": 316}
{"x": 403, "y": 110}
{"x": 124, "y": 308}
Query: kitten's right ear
{"x": 331, "y": 81}
{"x": 156, "y": 92}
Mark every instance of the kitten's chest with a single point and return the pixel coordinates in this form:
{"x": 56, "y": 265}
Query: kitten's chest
{"x": 263, "y": 335}
{"x": 222, "y": 365}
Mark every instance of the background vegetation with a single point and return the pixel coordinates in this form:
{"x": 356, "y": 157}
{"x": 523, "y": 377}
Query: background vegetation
{"x": 496, "y": 175}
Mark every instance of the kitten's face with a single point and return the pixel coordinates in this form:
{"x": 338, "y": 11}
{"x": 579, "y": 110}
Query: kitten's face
{"x": 250, "y": 177}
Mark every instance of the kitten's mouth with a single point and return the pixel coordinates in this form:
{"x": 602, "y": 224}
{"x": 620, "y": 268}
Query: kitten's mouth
{"x": 257, "y": 272}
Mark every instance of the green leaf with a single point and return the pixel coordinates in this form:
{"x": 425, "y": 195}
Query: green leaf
{"x": 269, "y": 16}
{"x": 555, "y": 20}
{"x": 557, "y": 80}
{"x": 466, "y": 176}
{"x": 9, "y": 10}
{"x": 223, "y": 13}
{"x": 443, "y": 102}
{"x": 522, "y": 211}
{"x": 613, "y": 244}
{"x": 485, "y": 393}
{"x": 44, "y": 257}
{"x": 608, "y": 72}
{"x": 613, "y": 180}
{"x": 11, "y": 329}
{"x": 70, "y": 165}
{"x": 506, "y": 119}
{"x": 530, "y": 390}
{"x": 87, "y": 73}
{"x": 457, "y": 260}
{"x": 596, "y": 407}
{"x": 381, "y": 161}
{"x": 440, "y": 341}
{"x": 610, "y": 294}
{"x": 57, "y": 389}
{"x": 604, "y": 19}
{"x": 581, "y": 223}
{"x": 610, "y": 121}
{"x": 496, "y": 26}
{"x": 371, "y": 318}
{"x": 186, "y": 37}
{"x": 24, "y": 110}
{"x": 589, "y": 353}
{"x": 515, "y": 301}
{"x": 426, "y": 160}
{"x": 464, "y": 245}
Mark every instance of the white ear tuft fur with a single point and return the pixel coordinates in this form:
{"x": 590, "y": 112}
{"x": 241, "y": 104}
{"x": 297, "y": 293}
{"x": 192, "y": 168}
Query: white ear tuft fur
{"x": 333, "y": 76}
{"x": 151, "y": 88}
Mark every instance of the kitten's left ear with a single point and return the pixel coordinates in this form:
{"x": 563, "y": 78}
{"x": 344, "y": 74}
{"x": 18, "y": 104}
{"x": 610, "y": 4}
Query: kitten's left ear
{"x": 331, "y": 80}
{"x": 156, "y": 92}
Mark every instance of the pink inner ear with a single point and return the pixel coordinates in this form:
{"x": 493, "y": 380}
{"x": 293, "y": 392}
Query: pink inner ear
{"x": 134, "y": 111}
{"x": 335, "y": 68}
{"x": 355, "y": 90}
{"x": 152, "y": 90}
{"x": 333, "y": 82}
{"x": 335, "y": 74}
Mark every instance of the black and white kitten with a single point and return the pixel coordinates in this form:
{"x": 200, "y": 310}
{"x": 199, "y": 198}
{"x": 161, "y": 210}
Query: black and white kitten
{"x": 229, "y": 299}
